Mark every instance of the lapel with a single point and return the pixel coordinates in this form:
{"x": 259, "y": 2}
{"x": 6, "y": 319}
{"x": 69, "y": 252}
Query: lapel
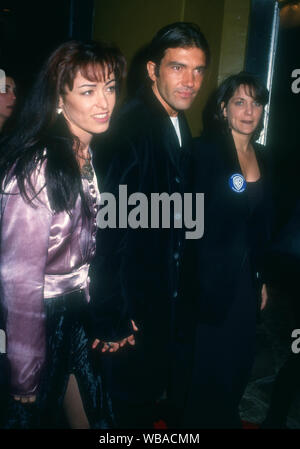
{"x": 230, "y": 157}
{"x": 230, "y": 161}
{"x": 261, "y": 160}
{"x": 185, "y": 132}
{"x": 185, "y": 155}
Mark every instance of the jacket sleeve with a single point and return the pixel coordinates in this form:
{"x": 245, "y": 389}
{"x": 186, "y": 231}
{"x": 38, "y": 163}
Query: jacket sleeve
{"x": 111, "y": 305}
{"x": 24, "y": 247}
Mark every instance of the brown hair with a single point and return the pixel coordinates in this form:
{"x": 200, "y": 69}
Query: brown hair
{"x": 39, "y": 126}
{"x": 95, "y": 61}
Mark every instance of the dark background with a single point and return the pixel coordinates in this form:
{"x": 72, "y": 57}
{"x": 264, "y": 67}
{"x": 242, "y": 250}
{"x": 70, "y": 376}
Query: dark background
{"x": 284, "y": 116}
{"x": 30, "y": 30}
{"x": 284, "y": 126}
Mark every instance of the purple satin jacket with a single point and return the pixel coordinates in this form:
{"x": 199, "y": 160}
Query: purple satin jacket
{"x": 43, "y": 255}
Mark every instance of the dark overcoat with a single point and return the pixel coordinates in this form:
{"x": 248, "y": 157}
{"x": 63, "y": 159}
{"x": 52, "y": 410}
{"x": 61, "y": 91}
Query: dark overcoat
{"x": 227, "y": 281}
{"x": 137, "y": 272}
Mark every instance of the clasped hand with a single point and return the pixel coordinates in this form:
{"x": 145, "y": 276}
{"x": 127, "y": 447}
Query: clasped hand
{"x": 25, "y": 399}
{"x": 115, "y": 345}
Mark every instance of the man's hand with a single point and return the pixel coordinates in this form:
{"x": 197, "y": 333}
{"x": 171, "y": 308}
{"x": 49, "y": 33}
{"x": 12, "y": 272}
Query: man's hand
{"x": 25, "y": 399}
{"x": 131, "y": 339}
{"x": 113, "y": 346}
{"x": 264, "y": 297}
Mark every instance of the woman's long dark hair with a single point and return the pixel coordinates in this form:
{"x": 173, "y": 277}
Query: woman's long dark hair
{"x": 39, "y": 127}
{"x": 213, "y": 117}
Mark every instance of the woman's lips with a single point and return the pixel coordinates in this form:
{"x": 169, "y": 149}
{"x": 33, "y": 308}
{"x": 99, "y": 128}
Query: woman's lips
{"x": 101, "y": 118}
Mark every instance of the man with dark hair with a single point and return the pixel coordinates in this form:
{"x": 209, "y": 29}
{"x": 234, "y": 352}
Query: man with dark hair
{"x": 177, "y": 35}
{"x": 138, "y": 275}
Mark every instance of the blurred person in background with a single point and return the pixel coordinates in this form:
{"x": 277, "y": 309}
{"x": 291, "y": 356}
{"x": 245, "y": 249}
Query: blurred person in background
{"x": 7, "y": 100}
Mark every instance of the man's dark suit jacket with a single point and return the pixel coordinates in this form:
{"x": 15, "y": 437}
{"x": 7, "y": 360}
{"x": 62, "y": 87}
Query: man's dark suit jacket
{"x": 137, "y": 272}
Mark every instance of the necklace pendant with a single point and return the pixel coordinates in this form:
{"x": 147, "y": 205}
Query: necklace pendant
{"x": 87, "y": 171}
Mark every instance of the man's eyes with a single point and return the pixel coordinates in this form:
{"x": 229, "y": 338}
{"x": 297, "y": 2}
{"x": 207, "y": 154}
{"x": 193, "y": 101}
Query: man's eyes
{"x": 178, "y": 68}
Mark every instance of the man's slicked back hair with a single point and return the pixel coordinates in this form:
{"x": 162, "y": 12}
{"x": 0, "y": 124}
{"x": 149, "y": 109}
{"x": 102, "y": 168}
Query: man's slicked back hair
{"x": 175, "y": 35}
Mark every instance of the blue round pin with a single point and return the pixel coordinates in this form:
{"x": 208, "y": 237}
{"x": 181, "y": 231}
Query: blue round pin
{"x": 237, "y": 183}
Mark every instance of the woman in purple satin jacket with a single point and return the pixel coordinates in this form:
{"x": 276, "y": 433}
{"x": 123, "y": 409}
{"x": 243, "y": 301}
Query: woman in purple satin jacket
{"x": 49, "y": 203}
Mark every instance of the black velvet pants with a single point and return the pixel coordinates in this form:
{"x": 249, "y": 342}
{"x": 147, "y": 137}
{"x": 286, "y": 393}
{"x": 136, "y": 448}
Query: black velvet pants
{"x": 68, "y": 352}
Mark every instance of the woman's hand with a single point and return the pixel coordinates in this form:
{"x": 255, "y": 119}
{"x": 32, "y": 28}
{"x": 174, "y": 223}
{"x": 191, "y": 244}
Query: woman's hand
{"x": 25, "y": 399}
{"x": 131, "y": 339}
{"x": 113, "y": 346}
{"x": 264, "y": 297}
